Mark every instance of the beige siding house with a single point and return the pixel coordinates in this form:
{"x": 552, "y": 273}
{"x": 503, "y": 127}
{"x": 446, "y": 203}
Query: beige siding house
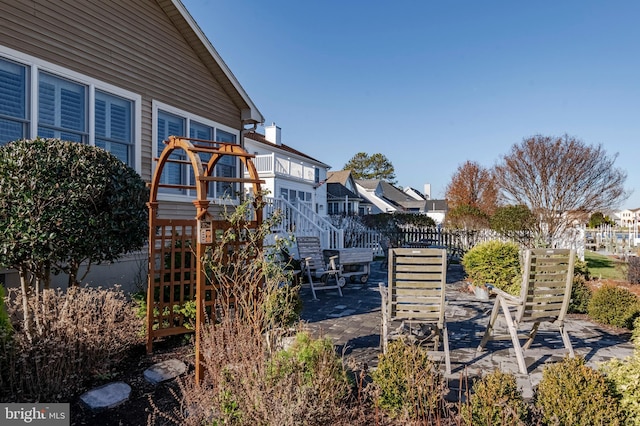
{"x": 123, "y": 75}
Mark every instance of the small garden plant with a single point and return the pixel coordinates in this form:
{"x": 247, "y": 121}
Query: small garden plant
{"x": 408, "y": 383}
{"x": 496, "y": 400}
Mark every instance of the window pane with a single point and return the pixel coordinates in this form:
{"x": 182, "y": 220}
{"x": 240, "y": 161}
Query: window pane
{"x": 200, "y": 131}
{"x": 226, "y": 167}
{"x": 222, "y": 136}
{"x": 10, "y": 131}
{"x": 114, "y": 125}
{"x": 13, "y": 101}
{"x": 171, "y": 125}
{"x": 62, "y": 108}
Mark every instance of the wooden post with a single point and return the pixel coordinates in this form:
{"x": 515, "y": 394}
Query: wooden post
{"x": 201, "y": 213}
{"x": 153, "y": 214}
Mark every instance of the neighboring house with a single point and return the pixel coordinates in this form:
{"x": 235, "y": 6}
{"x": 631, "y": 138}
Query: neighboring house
{"x": 386, "y": 198}
{"x": 122, "y": 75}
{"x": 437, "y": 210}
{"x": 287, "y": 172}
{"x": 342, "y": 195}
{"x": 400, "y": 200}
{"x": 628, "y": 217}
{"x": 371, "y": 191}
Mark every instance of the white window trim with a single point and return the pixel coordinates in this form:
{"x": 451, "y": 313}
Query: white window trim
{"x": 36, "y": 64}
{"x": 157, "y": 105}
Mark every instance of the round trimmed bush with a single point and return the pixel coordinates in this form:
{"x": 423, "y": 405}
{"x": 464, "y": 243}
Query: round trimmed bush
{"x": 62, "y": 203}
{"x": 494, "y": 262}
{"x": 573, "y": 394}
{"x": 614, "y": 305}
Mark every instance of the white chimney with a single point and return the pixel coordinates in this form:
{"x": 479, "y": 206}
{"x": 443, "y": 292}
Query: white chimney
{"x": 427, "y": 191}
{"x": 273, "y": 134}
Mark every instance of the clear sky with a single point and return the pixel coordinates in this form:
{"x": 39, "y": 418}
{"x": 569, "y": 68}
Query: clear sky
{"x": 432, "y": 84}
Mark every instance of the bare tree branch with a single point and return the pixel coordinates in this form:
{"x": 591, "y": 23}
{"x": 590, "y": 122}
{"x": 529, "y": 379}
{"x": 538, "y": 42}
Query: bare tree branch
{"x": 558, "y": 177}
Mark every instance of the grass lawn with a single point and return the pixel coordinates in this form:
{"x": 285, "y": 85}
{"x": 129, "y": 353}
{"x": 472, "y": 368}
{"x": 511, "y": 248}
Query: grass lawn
{"x": 601, "y": 266}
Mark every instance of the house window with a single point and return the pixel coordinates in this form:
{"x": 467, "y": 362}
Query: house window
{"x": 174, "y": 122}
{"x": 61, "y": 103}
{"x": 62, "y": 106}
{"x": 226, "y": 167}
{"x": 13, "y": 101}
{"x": 114, "y": 125}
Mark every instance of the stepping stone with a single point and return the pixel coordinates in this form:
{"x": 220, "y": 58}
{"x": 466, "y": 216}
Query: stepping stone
{"x": 106, "y": 396}
{"x": 165, "y": 370}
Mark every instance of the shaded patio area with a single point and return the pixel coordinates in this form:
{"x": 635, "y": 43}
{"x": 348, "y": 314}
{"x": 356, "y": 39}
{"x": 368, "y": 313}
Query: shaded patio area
{"x": 353, "y": 323}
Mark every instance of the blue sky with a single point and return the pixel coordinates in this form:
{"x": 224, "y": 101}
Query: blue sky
{"x": 432, "y": 84}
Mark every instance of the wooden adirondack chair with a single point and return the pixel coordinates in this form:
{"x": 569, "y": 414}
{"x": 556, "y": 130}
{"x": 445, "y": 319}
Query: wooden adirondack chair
{"x": 545, "y": 295}
{"x": 416, "y": 296}
{"x": 321, "y": 276}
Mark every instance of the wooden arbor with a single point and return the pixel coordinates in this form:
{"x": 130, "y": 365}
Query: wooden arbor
{"x": 177, "y": 246}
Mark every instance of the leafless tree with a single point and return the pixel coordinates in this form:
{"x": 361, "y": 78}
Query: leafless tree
{"x": 559, "y": 178}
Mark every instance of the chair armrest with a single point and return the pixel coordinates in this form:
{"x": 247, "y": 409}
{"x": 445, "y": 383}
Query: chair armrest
{"x": 332, "y": 263}
{"x": 503, "y": 294}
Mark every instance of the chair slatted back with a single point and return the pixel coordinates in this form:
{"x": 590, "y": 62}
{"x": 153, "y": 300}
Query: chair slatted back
{"x": 309, "y": 247}
{"x": 546, "y": 284}
{"x": 417, "y": 279}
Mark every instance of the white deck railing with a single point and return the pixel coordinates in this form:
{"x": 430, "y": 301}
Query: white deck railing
{"x": 279, "y": 165}
{"x": 300, "y": 219}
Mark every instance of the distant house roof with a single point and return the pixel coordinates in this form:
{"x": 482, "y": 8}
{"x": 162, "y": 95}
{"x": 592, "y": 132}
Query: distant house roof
{"x": 257, "y": 137}
{"x": 414, "y": 193}
{"x": 371, "y": 197}
{"x": 392, "y": 195}
{"x": 400, "y": 198}
{"x": 370, "y": 184}
{"x": 339, "y": 176}
{"x": 337, "y": 191}
{"x": 436, "y": 206}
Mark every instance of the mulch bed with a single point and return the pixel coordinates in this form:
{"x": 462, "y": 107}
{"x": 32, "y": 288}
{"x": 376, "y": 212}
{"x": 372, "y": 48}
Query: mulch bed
{"x": 136, "y": 410}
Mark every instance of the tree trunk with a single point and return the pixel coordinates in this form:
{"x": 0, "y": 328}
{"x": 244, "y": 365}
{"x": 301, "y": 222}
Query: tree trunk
{"x": 26, "y": 290}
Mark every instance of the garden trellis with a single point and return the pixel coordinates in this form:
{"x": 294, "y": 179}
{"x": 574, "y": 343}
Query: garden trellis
{"x": 177, "y": 246}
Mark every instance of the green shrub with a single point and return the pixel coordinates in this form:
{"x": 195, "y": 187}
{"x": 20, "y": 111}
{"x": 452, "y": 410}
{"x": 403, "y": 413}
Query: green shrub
{"x": 572, "y": 394}
{"x": 408, "y": 382}
{"x": 494, "y": 262}
{"x": 635, "y": 333}
{"x": 306, "y": 356}
{"x": 613, "y": 305}
{"x": 496, "y": 400}
{"x": 581, "y": 269}
{"x": 580, "y": 296}
{"x": 625, "y": 375}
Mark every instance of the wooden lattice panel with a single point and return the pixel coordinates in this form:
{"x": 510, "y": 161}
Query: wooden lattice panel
{"x": 172, "y": 275}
